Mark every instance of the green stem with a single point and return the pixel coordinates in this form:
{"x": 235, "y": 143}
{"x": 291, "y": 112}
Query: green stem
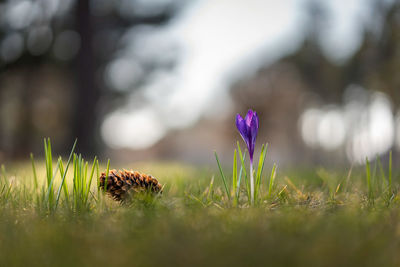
{"x": 251, "y": 183}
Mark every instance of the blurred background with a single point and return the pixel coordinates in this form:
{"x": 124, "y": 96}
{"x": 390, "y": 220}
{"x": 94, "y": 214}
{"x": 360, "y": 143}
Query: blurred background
{"x": 164, "y": 79}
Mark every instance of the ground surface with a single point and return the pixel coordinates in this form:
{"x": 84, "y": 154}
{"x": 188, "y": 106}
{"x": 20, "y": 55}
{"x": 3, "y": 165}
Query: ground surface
{"x": 312, "y": 218}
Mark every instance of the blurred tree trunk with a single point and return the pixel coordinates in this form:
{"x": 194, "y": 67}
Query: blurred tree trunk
{"x": 86, "y": 95}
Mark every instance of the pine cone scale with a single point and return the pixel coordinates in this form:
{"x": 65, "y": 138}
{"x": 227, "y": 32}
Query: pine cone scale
{"x": 121, "y": 183}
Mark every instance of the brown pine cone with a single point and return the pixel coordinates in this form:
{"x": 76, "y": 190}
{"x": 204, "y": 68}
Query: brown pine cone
{"x": 122, "y": 183}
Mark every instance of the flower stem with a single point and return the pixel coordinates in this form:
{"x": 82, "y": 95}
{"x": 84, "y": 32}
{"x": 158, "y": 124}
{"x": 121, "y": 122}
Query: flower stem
{"x": 251, "y": 183}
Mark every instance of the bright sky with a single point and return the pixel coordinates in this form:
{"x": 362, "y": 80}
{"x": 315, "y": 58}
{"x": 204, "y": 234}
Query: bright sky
{"x": 221, "y": 40}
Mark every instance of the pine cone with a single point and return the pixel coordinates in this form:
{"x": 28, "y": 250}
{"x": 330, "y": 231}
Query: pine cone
{"x": 122, "y": 183}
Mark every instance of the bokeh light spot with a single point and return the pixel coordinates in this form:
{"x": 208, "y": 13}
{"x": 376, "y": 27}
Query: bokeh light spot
{"x": 12, "y": 47}
{"x": 39, "y": 40}
{"x": 133, "y": 129}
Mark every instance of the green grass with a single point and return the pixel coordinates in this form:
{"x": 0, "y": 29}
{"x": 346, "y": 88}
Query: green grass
{"x": 58, "y": 217}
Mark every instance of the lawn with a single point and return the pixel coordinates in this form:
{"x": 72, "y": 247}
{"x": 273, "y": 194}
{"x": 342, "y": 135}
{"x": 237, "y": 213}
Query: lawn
{"x": 309, "y": 217}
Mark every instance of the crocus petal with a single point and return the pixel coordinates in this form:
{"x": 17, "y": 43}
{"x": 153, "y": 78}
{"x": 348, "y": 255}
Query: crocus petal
{"x": 253, "y": 129}
{"x": 239, "y": 119}
{"x": 241, "y": 126}
{"x": 249, "y": 117}
{"x": 248, "y": 129}
{"x": 256, "y": 118}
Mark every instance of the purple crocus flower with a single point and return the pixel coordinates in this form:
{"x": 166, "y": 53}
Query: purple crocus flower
{"x": 248, "y": 129}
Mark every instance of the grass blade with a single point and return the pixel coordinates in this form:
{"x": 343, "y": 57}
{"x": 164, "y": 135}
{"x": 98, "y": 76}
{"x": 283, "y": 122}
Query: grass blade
{"x": 243, "y": 167}
{"x": 222, "y": 175}
{"x": 90, "y": 179}
{"x": 368, "y": 173}
{"x": 234, "y": 176}
{"x": 49, "y": 195}
{"x": 272, "y": 180}
{"x": 98, "y": 180}
{"x": 106, "y": 180}
{"x": 240, "y": 175}
{"x": 49, "y": 160}
{"x": 390, "y": 174}
{"x": 65, "y": 174}
{"x": 260, "y": 168}
{"x": 64, "y": 185}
